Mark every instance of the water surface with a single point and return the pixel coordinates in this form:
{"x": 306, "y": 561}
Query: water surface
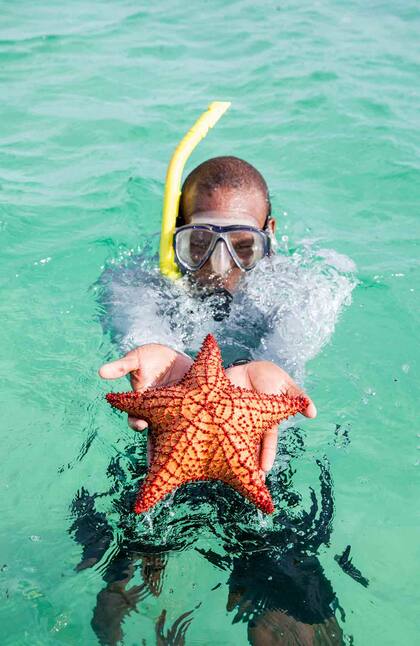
{"x": 325, "y": 103}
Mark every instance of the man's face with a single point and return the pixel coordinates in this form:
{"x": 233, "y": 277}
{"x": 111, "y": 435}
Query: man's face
{"x": 223, "y": 207}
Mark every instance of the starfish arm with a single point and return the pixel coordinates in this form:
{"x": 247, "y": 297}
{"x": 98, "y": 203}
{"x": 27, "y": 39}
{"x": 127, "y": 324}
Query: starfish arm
{"x": 207, "y": 369}
{"x": 156, "y": 406}
{"x": 177, "y": 461}
{"x": 240, "y": 452}
{"x": 154, "y": 489}
{"x": 265, "y": 411}
{"x": 256, "y": 492}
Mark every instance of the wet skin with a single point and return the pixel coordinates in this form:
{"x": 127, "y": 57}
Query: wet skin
{"x": 223, "y": 207}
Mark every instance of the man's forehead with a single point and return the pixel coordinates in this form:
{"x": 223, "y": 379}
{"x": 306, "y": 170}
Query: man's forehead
{"x": 223, "y": 218}
{"x": 237, "y": 204}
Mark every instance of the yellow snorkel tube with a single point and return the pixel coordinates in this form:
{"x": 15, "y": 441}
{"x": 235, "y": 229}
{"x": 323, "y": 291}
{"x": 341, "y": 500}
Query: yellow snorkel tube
{"x": 208, "y": 119}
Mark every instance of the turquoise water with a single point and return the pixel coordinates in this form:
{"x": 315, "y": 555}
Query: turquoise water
{"x": 325, "y": 103}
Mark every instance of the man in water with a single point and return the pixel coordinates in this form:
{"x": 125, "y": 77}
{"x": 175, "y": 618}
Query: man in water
{"x": 224, "y": 230}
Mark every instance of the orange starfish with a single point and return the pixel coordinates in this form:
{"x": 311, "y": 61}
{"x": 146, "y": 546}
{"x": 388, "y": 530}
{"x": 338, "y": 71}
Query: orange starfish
{"x": 205, "y": 428}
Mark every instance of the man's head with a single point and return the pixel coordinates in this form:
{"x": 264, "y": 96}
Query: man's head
{"x": 224, "y": 191}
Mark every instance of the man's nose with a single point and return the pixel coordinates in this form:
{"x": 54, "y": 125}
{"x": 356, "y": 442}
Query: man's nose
{"x": 221, "y": 260}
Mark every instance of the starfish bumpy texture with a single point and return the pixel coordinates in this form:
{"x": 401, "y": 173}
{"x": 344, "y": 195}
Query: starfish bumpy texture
{"x": 205, "y": 428}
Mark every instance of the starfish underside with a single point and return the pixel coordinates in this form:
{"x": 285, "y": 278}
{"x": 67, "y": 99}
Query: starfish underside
{"x": 205, "y": 428}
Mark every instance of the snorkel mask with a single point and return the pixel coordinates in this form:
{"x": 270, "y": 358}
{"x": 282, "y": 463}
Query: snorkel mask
{"x": 172, "y": 194}
{"x": 240, "y": 245}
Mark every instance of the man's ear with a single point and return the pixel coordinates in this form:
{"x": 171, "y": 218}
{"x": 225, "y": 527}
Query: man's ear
{"x": 272, "y": 225}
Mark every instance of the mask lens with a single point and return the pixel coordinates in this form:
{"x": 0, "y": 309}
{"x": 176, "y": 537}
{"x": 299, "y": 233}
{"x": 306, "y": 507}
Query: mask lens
{"x": 248, "y": 247}
{"x": 192, "y": 246}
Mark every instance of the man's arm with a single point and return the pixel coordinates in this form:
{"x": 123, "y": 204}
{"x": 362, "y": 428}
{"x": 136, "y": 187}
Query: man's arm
{"x": 149, "y": 365}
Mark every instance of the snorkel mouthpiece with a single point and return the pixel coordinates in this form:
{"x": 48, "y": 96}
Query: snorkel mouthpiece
{"x": 172, "y": 193}
{"x": 219, "y": 301}
{"x": 222, "y": 301}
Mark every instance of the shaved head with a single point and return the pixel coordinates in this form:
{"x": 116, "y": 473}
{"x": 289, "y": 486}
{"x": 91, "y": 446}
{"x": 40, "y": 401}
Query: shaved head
{"x": 218, "y": 177}
{"x": 224, "y": 191}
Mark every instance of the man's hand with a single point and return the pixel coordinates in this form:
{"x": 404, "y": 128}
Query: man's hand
{"x": 157, "y": 365}
{"x": 149, "y": 365}
{"x": 266, "y": 377}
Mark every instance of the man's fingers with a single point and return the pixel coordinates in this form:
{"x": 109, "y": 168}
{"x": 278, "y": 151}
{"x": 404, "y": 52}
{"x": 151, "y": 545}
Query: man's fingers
{"x": 268, "y": 449}
{"x": 120, "y": 367}
{"x": 137, "y": 424}
{"x": 310, "y": 410}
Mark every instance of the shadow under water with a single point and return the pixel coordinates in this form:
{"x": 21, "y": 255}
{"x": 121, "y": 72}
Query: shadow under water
{"x": 271, "y": 562}
{"x": 276, "y": 584}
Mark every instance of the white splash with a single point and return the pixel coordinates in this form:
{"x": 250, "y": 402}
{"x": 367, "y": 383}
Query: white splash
{"x": 285, "y": 311}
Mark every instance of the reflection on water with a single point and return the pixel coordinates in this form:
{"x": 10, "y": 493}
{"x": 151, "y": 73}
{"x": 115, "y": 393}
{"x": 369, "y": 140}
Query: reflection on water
{"x": 285, "y": 311}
